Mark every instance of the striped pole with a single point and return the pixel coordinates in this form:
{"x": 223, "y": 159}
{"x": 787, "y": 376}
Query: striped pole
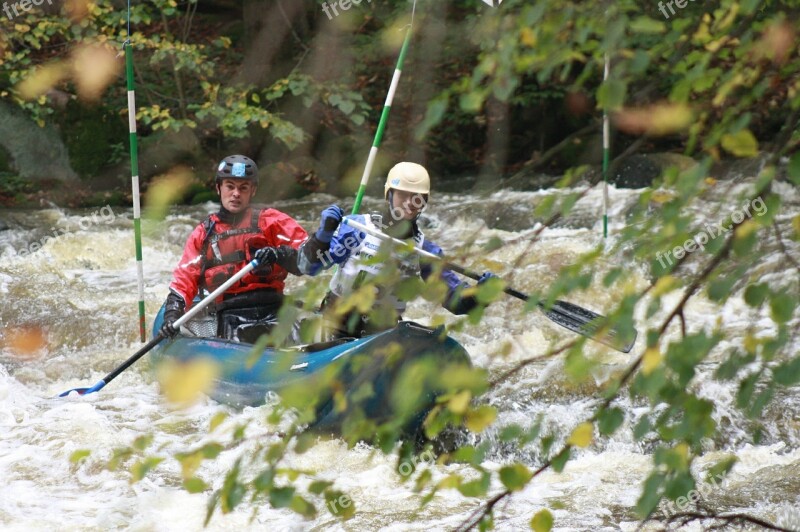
{"x": 606, "y": 149}
{"x": 373, "y": 152}
{"x": 137, "y": 215}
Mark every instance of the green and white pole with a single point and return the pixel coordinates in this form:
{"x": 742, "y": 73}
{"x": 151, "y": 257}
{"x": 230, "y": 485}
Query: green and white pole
{"x": 387, "y": 106}
{"x": 606, "y": 150}
{"x": 137, "y": 214}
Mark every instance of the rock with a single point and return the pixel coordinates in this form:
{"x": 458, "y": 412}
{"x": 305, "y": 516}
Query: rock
{"x": 37, "y": 153}
{"x": 640, "y": 170}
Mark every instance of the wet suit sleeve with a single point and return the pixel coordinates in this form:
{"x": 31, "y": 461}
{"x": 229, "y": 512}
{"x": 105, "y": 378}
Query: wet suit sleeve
{"x": 186, "y": 276}
{"x": 454, "y": 302}
{"x": 316, "y": 255}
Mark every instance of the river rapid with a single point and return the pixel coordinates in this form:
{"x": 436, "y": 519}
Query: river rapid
{"x": 69, "y": 315}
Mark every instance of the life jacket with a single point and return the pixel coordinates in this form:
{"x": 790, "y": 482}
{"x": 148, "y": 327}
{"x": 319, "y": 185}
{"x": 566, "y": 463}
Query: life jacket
{"x": 358, "y": 269}
{"x": 225, "y": 253}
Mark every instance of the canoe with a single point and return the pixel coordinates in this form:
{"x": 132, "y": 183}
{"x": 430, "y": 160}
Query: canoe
{"x": 394, "y": 376}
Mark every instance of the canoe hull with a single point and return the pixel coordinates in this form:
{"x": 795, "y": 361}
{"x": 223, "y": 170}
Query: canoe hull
{"x": 392, "y": 377}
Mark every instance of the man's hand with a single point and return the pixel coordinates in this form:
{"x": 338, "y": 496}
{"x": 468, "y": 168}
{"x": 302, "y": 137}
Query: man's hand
{"x": 266, "y": 256}
{"x": 329, "y": 221}
{"x": 173, "y": 309}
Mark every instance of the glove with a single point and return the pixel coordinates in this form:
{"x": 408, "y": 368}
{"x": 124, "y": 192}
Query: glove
{"x": 173, "y": 309}
{"x": 330, "y": 219}
{"x": 486, "y": 276}
{"x": 266, "y": 256}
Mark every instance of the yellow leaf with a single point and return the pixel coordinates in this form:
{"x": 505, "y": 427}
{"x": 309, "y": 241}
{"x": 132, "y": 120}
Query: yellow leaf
{"x": 582, "y": 435}
{"x": 796, "y": 226}
{"x": 165, "y": 190}
{"x": 542, "y": 521}
{"x": 480, "y": 418}
{"x": 458, "y": 403}
{"x": 741, "y": 144}
{"x": 662, "y": 196}
{"x": 527, "y": 37}
{"x": 183, "y": 382}
{"x": 651, "y": 360}
{"x": 710, "y": 181}
{"x": 664, "y": 285}
{"x": 657, "y": 119}
{"x": 95, "y": 67}
{"x": 750, "y": 344}
{"x": 42, "y": 80}
{"x": 747, "y": 228}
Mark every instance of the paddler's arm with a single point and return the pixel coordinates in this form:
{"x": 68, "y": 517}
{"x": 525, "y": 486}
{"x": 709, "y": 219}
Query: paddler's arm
{"x": 454, "y": 302}
{"x": 325, "y": 247}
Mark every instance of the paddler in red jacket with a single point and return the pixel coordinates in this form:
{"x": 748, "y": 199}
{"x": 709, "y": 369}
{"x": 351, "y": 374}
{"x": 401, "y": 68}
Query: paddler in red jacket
{"x": 223, "y": 244}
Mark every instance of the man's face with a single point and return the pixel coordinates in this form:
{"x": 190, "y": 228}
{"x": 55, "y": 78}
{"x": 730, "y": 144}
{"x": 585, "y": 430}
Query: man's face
{"x": 407, "y": 205}
{"x": 235, "y": 194}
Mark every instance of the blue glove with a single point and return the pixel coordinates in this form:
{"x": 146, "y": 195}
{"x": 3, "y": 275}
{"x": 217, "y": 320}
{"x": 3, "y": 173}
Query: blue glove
{"x": 330, "y": 219}
{"x": 266, "y": 256}
{"x": 486, "y": 276}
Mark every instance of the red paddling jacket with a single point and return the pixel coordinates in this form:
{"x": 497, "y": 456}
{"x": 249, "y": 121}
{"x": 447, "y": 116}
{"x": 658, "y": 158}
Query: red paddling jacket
{"x": 215, "y": 251}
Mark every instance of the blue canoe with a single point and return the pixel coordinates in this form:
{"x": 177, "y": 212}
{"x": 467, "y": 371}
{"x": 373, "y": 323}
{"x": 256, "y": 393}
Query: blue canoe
{"x": 391, "y": 376}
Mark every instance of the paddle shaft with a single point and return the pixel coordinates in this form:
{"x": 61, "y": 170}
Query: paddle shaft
{"x": 449, "y": 265}
{"x": 178, "y": 323}
{"x": 568, "y": 315}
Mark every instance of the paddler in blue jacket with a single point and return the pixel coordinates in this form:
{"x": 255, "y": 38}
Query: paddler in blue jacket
{"x": 406, "y": 192}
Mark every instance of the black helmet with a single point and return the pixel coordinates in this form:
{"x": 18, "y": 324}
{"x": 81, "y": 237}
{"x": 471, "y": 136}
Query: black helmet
{"x": 237, "y": 167}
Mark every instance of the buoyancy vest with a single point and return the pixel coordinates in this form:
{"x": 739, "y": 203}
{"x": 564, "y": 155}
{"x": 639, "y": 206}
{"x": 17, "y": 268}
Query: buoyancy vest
{"x": 223, "y": 254}
{"x": 358, "y": 269}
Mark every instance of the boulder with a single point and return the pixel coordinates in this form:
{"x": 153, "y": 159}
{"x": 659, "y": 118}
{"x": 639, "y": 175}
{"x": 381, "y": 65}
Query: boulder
{"x": 36, "y": 153}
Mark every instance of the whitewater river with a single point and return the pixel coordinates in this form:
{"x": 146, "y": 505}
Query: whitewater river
{"x": 71, "y": 309}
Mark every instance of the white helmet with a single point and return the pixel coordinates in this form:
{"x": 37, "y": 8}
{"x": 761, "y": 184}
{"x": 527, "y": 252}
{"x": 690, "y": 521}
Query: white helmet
{"x": 411, "y": 177}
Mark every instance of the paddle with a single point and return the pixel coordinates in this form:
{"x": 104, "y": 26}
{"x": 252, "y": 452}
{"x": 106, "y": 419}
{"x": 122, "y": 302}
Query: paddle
{"x": 155, "y": 341}
{"x": 569, "y": 315}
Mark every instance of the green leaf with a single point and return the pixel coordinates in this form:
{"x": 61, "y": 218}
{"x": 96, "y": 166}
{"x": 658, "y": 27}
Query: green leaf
{"x": 782, "y": 306}
{"x": 194, "y": 485}
{"x": 794, "y": 169}
{"x": 475, "y": 488}
{"x": 281, "y": 497}
{"x": 611, "y": 94}
{"x": 647, "y": 25}
{"x": 79, "y": 455}
{"x": 303, "y": 507}
{"x": 340, "y": 504}
{"x": 755, "y": 294}
{"x": 609, "y": 420}
{"x": 679, "y": 486}
{"x": 217, "y": 420}
{"x": 515, "y": 476}
{"x": 510, "y": 433}
{"x": 651, "y": 494}
{"x": 561, "y": 459}
{"x": 318, "y": 486}
{"x": 788, "y": 373}
{"x": 542, "y": 521}
{"x": 140, "y": 469}
{"x": 741, "y": 144}
{"x": 720, "y": 289}
{"x": 642, "y": 428}
{"x": 143, "y": 442}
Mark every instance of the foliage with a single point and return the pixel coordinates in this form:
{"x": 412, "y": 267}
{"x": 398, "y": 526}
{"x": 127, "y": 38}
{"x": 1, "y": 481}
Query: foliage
{"x": 702, "y": 77}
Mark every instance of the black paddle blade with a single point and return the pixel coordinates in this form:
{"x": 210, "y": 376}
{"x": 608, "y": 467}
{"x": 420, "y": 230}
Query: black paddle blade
{"x": 590, "y": 324}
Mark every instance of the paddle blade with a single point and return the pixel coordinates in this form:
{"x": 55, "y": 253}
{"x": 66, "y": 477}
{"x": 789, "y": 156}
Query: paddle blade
{"x": 85, "y": 391}
{"x": 590, "y": 324}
